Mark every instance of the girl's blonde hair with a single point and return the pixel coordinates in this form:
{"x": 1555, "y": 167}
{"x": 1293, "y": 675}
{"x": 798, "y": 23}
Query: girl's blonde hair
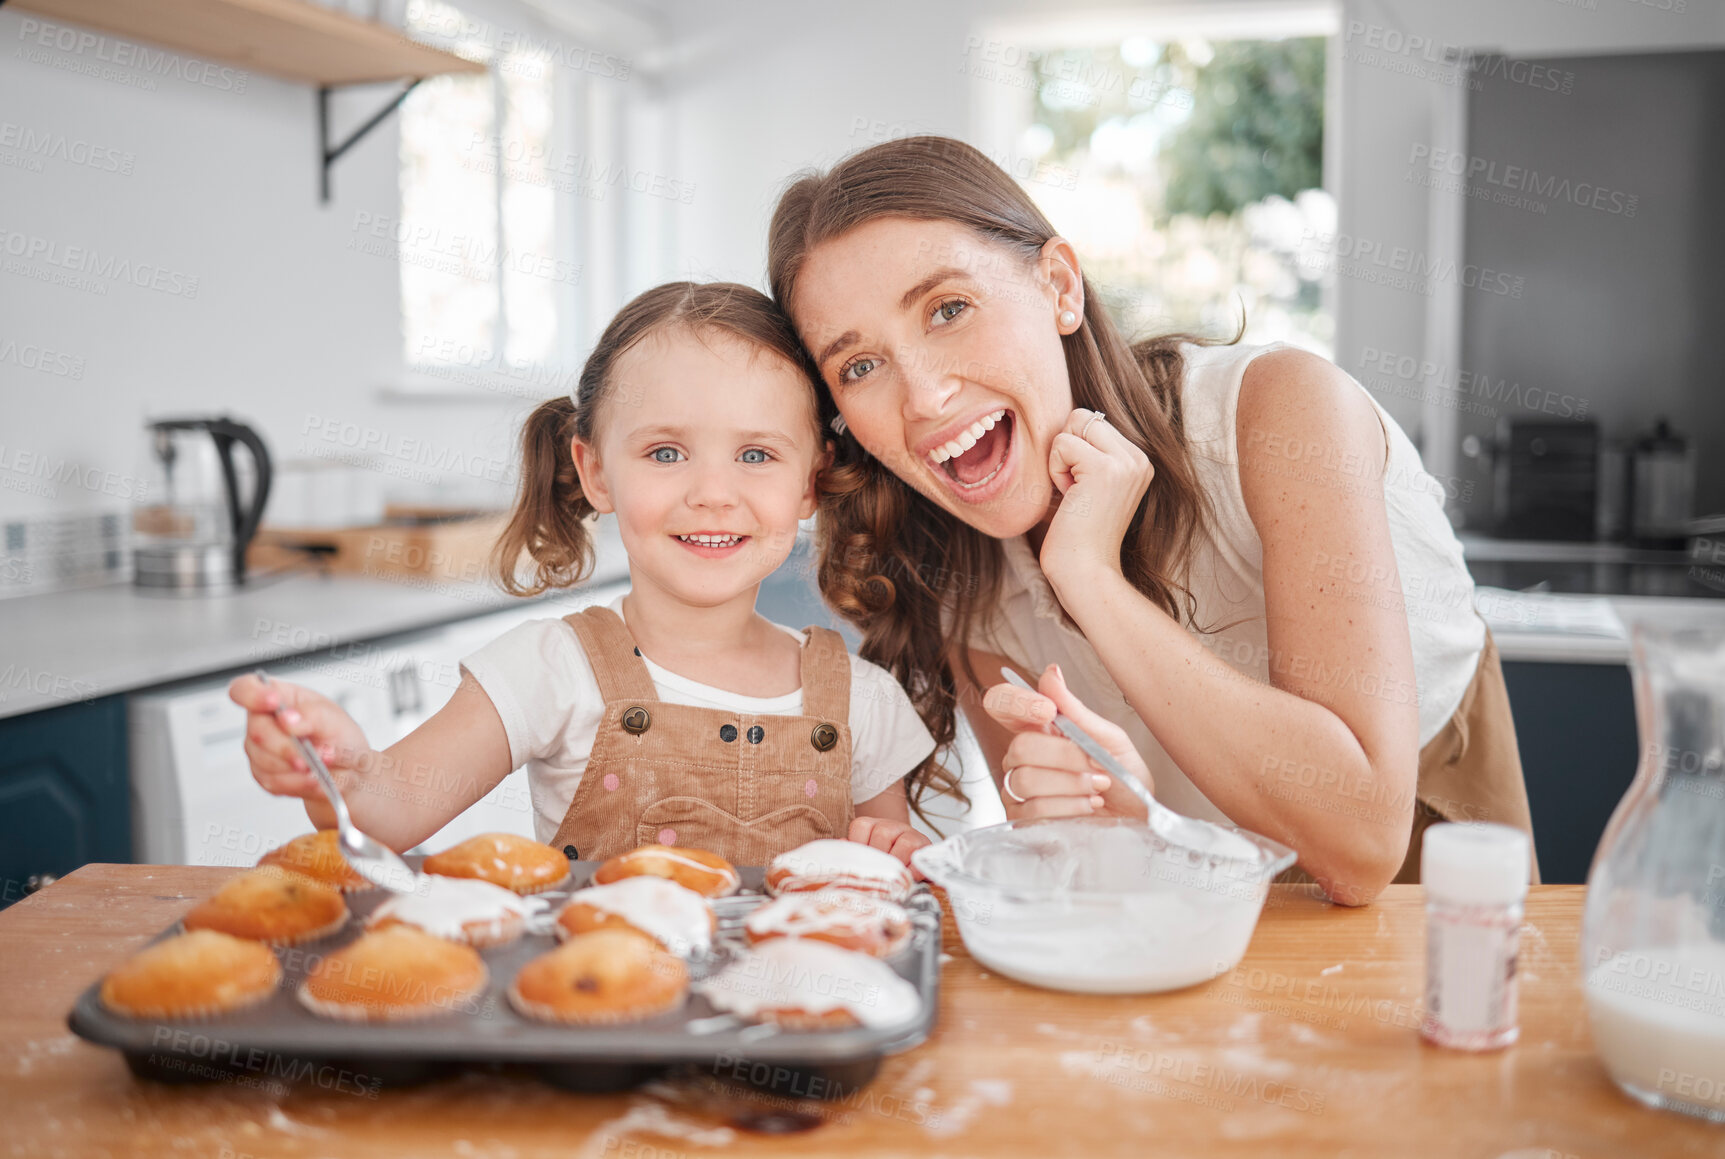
{"x": 549, "y": 519}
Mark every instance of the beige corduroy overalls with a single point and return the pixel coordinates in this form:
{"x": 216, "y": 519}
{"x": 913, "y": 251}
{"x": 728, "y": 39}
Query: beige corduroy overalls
{"x": 745, "y": 786}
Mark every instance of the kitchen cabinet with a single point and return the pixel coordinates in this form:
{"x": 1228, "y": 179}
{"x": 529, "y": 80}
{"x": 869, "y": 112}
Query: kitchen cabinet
{"x": 64, "y": 796}
{"x": 1575, "y": 726}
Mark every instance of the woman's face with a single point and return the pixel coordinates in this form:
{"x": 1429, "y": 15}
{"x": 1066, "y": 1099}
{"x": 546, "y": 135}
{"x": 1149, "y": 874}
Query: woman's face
{"x": 942, "y": 350}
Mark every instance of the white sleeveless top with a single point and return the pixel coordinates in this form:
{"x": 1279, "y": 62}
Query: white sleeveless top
{"x": 1227, "y": 581}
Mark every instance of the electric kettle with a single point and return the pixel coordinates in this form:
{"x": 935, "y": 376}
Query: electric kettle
{"x": 191, "y": 535}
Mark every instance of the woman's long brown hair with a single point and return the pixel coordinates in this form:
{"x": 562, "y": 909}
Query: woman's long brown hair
{"x": 890, "y": 559}
{"x": 551, "y": 521}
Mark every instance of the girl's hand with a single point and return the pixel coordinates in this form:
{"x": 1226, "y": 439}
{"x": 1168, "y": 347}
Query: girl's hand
{"x": 1101, "y": 476}
{"x": 889, "y": 836}
{"x": 277, "y": 763}
{"x": 1054, "y": 776}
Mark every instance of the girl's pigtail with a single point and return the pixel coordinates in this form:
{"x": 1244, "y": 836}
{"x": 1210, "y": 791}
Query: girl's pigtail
{"x": 549, "y": 521}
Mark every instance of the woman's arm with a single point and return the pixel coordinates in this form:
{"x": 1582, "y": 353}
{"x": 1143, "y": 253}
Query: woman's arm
{"x": 401, "y": 795}
{"x": 1339, "y": 719}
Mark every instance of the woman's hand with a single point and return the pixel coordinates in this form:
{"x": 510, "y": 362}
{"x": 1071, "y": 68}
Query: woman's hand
{"x": 1055, "y": 777}
{"x": 277, "y": 763}
{"x": 888, "y": 836}
{"x": 1101, "y": 476}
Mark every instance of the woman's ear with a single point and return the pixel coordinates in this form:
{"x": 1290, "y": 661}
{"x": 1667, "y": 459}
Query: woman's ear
{"x": 592, "y": 478}
{"x": 1058, "y": 264}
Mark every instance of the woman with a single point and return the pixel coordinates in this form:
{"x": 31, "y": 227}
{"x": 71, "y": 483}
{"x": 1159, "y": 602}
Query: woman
{"x": 1207, "y": 546}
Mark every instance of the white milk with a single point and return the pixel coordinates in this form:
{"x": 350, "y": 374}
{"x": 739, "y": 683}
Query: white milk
{"x": 1659, "y": 1022}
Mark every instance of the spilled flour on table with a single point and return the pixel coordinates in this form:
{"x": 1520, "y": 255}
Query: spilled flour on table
{"x": 983, "y": 1093}
{"x": 656, "y": 1119}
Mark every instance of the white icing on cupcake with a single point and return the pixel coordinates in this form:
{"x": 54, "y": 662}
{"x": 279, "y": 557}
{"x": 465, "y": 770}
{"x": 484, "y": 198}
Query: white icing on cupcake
{"x": 843, "y": 865}
{"x": 840, "y": 912}
{"x": 446, "y": 906}
{"x": 794, "y": 974}
{"x": 678, "y": 917}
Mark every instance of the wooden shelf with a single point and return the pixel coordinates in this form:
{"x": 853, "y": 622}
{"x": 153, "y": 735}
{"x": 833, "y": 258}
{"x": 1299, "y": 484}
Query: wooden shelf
{"x": 292, "y": 39}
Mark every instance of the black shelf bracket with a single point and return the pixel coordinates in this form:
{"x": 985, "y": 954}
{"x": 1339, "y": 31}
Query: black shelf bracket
{"x": 330, "y": 155}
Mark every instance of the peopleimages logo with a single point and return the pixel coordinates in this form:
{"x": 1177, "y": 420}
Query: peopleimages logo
{"x": 125, "y": 54}
{"x": 1519, "y": 179}
{"x": 80, "y": 264}
{"x": 51, "y": 146}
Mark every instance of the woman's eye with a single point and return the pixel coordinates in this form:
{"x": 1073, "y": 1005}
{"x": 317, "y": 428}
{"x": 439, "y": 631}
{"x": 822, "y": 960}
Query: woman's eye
{"x": 665, "y": 454}
{"x": 855, "y": 370}
{"x": 755, "y": 455}
{"x": 947, "y": 311}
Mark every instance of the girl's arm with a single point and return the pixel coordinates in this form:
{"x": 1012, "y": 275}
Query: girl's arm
{"x": 402, "y": 795}
{"x": 1325, "y": 756}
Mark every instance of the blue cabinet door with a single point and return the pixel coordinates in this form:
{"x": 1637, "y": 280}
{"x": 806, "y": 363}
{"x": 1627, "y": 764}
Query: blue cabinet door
{"x": 64, "y": 796}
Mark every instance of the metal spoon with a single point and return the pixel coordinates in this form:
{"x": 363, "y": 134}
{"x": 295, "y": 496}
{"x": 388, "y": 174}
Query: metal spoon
{"x": 369, "y": 857}
{"x": 1177, "y": 828}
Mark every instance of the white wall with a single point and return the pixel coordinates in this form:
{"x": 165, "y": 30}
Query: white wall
{"x": 290, "y": 327}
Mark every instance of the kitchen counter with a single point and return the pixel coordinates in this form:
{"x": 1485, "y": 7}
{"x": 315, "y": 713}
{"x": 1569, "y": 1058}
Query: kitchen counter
{"x": 1309, "y": 1048}
{"x": 1531, "y": 641}
{"x": 63, "y": 647}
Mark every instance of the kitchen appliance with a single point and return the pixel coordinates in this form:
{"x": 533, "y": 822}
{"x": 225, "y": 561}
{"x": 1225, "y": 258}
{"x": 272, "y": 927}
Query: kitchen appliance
{"x": 1661, "y": 489}
{"x": 192, "y": 532}
{"x": 1547, "y": 478}
{"x": 194, "y": 801}
{"x": 1652, "y": 937}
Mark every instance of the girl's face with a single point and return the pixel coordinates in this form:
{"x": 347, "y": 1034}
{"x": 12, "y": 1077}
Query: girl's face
{"x": 942, "y": 350}
{"x": 706, "y": 450}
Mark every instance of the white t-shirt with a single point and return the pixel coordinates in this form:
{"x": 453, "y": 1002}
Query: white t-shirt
{"x": 542, "y": 685}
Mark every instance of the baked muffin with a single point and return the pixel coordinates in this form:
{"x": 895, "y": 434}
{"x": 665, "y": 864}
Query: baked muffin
{"x": 200, "y": 974}
{"x": 514, "y": 862}
{"x": 394, "y": 974}
{"x": 833, "y": 864}
{"x": 706, "y": 873}
{"x": 318, "y": 856}
{"x": 864, "y": 922}
{"x": 805, "y": 985}
{"x": 474, "y": 913}
{"x": 603, "y": 977}
{"x": 275, "y": 906}
{"x": 678, "y": 919}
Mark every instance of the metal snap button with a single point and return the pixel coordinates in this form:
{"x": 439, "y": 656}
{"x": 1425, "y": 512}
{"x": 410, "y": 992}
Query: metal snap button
{"x": 570, "y": 852}
{"x": 728, "y": 733}
{"x": 637, "y": 720}
{"x": 757, "y": 734}
{"x": 824, "y": 737}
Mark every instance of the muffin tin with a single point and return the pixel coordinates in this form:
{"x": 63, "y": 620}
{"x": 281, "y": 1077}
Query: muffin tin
{"x": 280, "y": 1039}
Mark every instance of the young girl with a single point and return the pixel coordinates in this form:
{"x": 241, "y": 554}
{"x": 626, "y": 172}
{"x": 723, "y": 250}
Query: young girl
{"x": 677, "y": 715}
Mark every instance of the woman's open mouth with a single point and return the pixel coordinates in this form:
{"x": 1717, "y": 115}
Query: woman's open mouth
{"x": 974, "y": 463}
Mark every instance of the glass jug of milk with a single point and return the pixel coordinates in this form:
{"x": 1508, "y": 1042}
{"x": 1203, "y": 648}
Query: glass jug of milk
{"x": 1653, "y": 936}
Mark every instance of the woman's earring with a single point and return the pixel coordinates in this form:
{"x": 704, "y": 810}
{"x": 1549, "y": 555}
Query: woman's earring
{"x": 1068, "y": 319}
{"x": 838, "y": 425}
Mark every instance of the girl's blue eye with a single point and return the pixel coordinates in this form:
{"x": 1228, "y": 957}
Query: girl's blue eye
{"x": 860, "y": 367}
{"x": 658, "y": 454}
{"x": 763, "y": 456}
{"x": 951, "y": 309}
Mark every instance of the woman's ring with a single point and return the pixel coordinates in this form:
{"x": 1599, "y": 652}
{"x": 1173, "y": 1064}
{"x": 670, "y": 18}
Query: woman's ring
{"x": 1006, "y": 783}
{"x": 1085, "y": 433}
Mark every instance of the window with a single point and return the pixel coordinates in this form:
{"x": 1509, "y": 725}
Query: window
{"x": 1187, "y": 171}
{"x": 486, "y": 286}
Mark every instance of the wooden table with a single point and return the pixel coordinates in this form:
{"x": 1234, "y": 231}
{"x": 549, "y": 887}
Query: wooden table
{"x": 1309, "y": 1048}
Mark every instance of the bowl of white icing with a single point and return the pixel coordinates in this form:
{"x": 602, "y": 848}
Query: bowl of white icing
{"x": 1102, "y": 905}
